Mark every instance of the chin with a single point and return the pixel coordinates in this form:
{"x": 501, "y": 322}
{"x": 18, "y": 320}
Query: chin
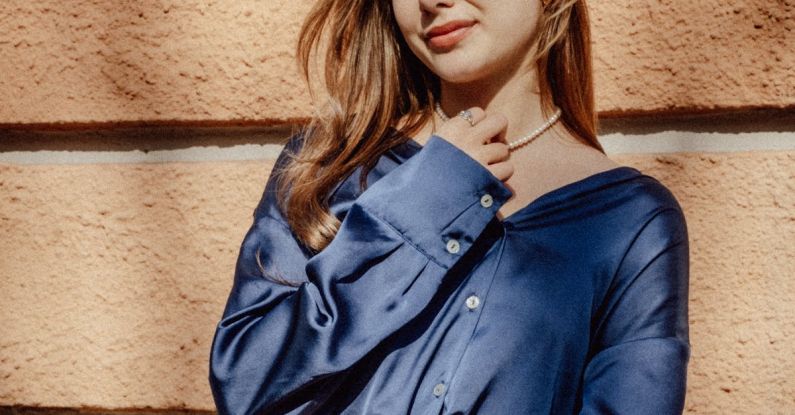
{"x": 458, "y": 74}
{"x": 458, "y": 66}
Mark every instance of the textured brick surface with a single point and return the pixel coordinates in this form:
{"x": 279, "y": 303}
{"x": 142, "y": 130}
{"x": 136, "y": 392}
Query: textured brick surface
{"x": 89, "y": 61}
{"x": 113, "y": 277}
{"x": 693, "y": 56}
{"x": 105, "y": 61}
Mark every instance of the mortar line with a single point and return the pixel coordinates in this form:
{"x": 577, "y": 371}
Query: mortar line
{"x": 614, "y": 143}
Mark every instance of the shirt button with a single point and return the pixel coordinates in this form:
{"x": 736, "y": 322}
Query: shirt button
{"x": 486, "y": 200}
{"x": 438, "y": 390}
{"x": 472, "y": 302}
{"x": 453, "y": 246}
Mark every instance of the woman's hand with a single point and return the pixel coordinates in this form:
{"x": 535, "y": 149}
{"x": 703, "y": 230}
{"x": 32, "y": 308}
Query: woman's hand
{"x": 475, "y": 140}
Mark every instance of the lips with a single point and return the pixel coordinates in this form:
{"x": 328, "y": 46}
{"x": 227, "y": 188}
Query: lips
{"x": 448, "y": 34}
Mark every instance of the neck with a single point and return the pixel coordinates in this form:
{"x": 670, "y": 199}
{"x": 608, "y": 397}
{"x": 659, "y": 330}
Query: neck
{"x": 513, "y": 93}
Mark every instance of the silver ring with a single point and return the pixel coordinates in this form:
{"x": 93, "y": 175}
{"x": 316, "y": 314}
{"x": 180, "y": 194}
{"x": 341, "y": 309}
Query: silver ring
{"x": 467, "y": 115}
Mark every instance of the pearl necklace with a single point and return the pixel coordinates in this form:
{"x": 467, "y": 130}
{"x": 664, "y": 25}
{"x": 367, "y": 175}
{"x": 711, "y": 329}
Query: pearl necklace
{"x": 522, "y": 141}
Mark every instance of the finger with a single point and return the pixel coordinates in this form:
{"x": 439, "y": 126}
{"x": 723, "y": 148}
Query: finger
{"x": 478, "y": 114}
{"x": 492, "y": 126}
{"x": 495, "y": 152}
{"x": 502, "y": 170}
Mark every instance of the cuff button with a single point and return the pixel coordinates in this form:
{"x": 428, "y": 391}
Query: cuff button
{"x": 486, "y": 200}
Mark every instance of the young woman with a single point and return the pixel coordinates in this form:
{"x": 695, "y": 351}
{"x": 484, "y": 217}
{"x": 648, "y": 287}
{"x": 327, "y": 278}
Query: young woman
{"x": 404, "y": 260}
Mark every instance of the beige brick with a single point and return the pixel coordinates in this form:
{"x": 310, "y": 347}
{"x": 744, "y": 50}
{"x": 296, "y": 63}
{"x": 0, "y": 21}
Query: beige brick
{"x": 232, "y": 62}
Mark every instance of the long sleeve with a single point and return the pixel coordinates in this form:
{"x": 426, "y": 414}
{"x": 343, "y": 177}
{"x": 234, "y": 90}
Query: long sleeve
{"x": 642, "y": 342}
{"x": 394, "y": 246}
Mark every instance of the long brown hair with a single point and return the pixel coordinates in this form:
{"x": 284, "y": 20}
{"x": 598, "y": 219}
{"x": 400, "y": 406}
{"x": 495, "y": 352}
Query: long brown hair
{"x": 372, "y": 80}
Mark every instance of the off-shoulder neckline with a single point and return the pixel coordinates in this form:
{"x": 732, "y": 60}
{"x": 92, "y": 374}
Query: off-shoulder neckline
{"x": 558, "y": 194}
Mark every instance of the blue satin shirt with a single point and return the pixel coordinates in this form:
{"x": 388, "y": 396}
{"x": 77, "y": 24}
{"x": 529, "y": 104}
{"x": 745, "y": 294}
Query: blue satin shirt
{"x": 426, "y": 303}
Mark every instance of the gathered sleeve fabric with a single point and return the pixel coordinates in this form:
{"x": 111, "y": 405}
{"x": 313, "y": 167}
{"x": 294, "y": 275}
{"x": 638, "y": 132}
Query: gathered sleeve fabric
{"x": 394, "y": 246}
{"x": 641, "y": 344}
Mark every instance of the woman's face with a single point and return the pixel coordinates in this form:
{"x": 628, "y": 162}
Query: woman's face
{"x": 495, "y": 35}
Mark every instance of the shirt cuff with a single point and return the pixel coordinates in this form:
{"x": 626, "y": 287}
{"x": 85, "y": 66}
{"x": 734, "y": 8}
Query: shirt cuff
{"x": 440, "y": 200}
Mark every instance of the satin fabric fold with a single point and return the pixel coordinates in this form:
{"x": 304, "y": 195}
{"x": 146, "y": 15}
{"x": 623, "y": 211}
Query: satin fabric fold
{"x": 426, "y": 303}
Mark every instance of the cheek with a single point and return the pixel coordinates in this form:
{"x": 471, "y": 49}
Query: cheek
{"x": 511, "y": 33}
{"x": 408, "y": 18}
{"x": 418, "y": 49}
{"x": 404, "y": 16}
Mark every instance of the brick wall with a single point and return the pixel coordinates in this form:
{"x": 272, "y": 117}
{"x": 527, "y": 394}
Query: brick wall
{"x": 135, "y": 139}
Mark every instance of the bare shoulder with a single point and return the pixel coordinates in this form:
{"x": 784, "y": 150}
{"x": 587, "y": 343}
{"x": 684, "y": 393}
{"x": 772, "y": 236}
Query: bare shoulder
{"x": 562, "y": 158}
{"x": 578, "y": 155}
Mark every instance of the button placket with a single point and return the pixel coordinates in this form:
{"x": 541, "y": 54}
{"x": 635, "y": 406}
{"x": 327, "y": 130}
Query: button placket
{"x": 472, "y": 302}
